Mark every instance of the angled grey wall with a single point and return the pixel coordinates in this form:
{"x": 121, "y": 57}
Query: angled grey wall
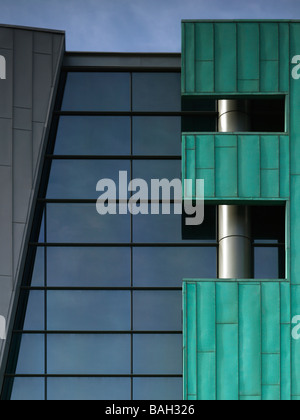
{"x": 32, "y": 60}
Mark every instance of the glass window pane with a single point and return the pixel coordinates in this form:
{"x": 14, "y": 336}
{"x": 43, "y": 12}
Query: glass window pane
{"x": 88, "y": 389}
{"x": 88, "y": 267}
{"x": 269, "y": 263}
{"x": 167, "y": 267}
{"x": 88, "y": 310}
{"x": 157, "y": 228}
{"x": 42, "y": 230}
{"x": 198, "y": 124}
{"x": 34, "y": 302}
{"x": 27, "y": 389}
{"x": 157, "y": 310}
{"x": 163, "y": 228}
{"x": 38, "y": 274}
{"x": 157, "y": 169}
{"x": 77, "y": 179}
{"x": 80, "y": 223}
{"x": 157, "y": 136}
{"x": 198, "y": 103}
{"x": 207, "y": 231}
{"x": 89, "y": 354}
{"x": 156, "y": 92}
{"x": 157, "y": 354}
{"x": 97, "y": 92}
{"x": 30, "y": 354}
{"x": 88, "y": 135}
{"x": 157, "y": 389}
{"x": 268, "y": 224}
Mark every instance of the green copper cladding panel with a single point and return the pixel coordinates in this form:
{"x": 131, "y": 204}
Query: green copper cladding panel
{"x": 238, "y": 339}
{"x": 235, "y": 57}
{"x": 249, "y": 163}
{"x": 243, "y": 166}
{"x": 250, "y": 340}
{"x": 225, "y": 57}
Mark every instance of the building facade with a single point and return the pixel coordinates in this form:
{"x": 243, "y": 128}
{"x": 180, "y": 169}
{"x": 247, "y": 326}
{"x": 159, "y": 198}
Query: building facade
{"x": 139, "y": 307}
{"x": 237, "y": 330}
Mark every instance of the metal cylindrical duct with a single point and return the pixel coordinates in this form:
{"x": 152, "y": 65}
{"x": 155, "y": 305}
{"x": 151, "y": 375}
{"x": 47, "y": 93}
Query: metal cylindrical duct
{"x": 234, "y": 221}
{"x": 234, "y": 242}
{"x": 233, "y": 115}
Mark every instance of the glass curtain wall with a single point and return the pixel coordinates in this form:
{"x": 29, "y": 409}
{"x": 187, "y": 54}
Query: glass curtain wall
{"x": 99, "y": 314}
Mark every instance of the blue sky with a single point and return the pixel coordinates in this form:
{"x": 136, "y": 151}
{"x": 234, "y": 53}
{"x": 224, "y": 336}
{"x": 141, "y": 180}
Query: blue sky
{"x": 134, "y": 25}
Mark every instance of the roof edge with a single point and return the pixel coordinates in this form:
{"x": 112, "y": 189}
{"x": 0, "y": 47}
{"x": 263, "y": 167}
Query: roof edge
{"x": 33, "y": 29}
{"x": 123, "y": 54}
{"x": 240, "y": 20}
{"x": 94, "y": 60}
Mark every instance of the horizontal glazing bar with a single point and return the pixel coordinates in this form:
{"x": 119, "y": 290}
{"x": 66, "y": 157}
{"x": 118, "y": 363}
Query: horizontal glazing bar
{"x": 92, "y": 201}
{"x": 8, "y": 375}
{"x": 122, "y": 69}
{"x": 110, "y": 157}
{"x": 141, "y": 245}
{"x": 118, "y": 244}
{"x": 103, "y": 288}
{"x": 137, "y": 114}
{"x": 87, "y": 332}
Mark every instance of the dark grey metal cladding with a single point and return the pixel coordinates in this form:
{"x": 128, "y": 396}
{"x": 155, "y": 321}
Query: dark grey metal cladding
{"x": 6, "y": 86}
{"x": 33, "y": 60}
{"x": 117, "y": 60}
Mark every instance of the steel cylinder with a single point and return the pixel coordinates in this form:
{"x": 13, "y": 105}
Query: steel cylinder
{"x": 234, "y": 234}
{"x": 234, "y": 242}
{"x": 233, "y": 116}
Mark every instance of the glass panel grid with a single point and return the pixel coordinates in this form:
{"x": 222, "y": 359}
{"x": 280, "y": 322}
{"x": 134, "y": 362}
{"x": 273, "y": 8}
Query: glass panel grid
{"x": 97, "y": 92}
{"x": 100, "y": 308}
